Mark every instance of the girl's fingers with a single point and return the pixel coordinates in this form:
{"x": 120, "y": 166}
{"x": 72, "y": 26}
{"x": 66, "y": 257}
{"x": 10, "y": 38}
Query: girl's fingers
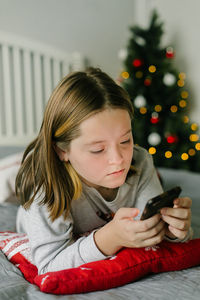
{"x": 150, "y": 232}
{"x": 177, "y": 223}
{"x": 152, "y": 241}
{"x": 180, "y": 234}
{"x": 138, "y": 226}
{"x": 146, "y": 225}
{"x": 176, "y": 212}
{"x": 126, "y": 213}
{"x": 183, "y": 202}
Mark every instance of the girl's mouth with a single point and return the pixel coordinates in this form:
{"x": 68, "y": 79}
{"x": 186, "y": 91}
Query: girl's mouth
{"x": 116, "y": 173}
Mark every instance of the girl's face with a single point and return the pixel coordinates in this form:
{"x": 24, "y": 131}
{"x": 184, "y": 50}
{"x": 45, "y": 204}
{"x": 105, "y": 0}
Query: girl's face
{"x": 102, "y": 154}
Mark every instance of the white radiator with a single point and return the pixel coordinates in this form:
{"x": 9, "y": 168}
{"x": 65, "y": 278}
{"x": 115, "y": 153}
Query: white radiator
{"x": 29, "y": 71}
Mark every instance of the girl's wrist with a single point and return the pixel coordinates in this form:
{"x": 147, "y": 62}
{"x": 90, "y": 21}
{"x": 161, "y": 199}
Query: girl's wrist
{"x": 105, "y": 240}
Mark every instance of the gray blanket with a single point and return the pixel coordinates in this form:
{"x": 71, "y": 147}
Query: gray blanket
{"x": 170, "y": 285}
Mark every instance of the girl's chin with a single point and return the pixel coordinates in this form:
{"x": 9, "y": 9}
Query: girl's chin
{"x": 105, "y": 185}
{"x": 113, "y": 182}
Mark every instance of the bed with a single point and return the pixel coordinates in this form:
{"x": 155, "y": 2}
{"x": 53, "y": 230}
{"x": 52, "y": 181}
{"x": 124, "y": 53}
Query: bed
{"x": 19, "y": 60}
{"x": 169, "y": 285}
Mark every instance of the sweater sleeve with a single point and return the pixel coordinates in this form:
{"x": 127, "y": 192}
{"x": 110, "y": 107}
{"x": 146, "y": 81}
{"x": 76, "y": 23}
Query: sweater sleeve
{"x": 52, "y": 244}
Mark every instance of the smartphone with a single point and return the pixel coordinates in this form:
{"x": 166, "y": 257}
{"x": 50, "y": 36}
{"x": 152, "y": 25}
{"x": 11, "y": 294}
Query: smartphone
{"x": 155, "y": 204}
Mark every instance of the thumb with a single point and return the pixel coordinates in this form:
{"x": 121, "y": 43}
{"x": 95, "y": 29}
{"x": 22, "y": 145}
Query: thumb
{"x": 135, "y": 212}
{"x": 126, "y": 212}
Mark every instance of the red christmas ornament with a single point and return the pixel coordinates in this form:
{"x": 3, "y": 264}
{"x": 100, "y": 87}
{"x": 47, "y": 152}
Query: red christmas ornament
{"x": 147, "y": 82}
{"x": 171, "y": 139}
{"x": 170, "y": 52}
{"x": 170, "y": 55}
{"x": 154, "y": 120}
{"x": 137, "y": 62}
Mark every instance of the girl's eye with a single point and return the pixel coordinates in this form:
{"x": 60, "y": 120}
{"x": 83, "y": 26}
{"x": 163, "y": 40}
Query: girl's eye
{"x": 96, "y": 152}
{"x": 126, "y": 142}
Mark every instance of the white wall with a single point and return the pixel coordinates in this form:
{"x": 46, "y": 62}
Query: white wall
{"x": 98, "y": 28}
{"x": 182, "y": 30}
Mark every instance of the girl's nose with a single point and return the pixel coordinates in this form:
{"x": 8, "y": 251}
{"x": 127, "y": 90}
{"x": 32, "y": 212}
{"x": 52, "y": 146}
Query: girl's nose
{"x": 115, "y": 156}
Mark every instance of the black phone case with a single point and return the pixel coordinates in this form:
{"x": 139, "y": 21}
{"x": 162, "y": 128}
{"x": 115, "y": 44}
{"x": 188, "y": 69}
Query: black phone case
{"x": 154, "y": 205}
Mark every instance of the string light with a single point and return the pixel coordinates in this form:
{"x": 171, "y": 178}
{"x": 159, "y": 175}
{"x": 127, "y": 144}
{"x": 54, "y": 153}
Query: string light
{"x": 158, "y": 108}
{"x": 173, "y": 108}
{"x": 152, "y": 69}
{"x": 194, "y": 126}
{"x": 194, "y": 137}
{"x": 197, "y": 146}
{"x": 180, "y": 83}
{"x": 186, "y": 119}
{"x": 184, "y": 156}
{"x": 125, "y": 75}
{"x": 182, "y": 76}
{"x": 138, "y": 74}
{"x": 168, "y": 154}
{"x": 147, "y": 81}
{"x": 143, "y": 110}
{"x": 182, "y": 103}
{"x": 191, "y": 152}
{"x": 152, "y": 150}
{"x": 184, "y": 94}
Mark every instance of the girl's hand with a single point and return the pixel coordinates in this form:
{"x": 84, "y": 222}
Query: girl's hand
{"x": 136, "y": 234}
{"x": 124, "y": 231}
{"x": 178, "y": 218}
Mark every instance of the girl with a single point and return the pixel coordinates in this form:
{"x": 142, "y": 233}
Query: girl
{"x": 83, "y": 183}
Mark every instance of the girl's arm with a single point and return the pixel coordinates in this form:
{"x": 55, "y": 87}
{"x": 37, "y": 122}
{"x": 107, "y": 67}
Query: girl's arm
{"x": 53, "y": 247}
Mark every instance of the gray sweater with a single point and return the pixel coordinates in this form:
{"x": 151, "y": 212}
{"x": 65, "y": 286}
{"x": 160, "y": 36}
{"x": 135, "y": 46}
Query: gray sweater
{"x": 64, "y": 244}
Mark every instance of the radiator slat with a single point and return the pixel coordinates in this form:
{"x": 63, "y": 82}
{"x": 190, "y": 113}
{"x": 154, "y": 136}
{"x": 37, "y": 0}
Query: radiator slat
{"x": 66, "y": 67}
{"x": 7, "y": 92}
{"x": 28, "y": 93}
{"x": 18, "y": 92}
{"x": 2, "y": 106}
{"x": 47, "y": 78}
{"x": 56, "y": 72}
{"x": 38, "y": 90}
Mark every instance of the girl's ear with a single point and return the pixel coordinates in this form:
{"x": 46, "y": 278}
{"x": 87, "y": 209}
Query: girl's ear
{"x": 61, "y": 153}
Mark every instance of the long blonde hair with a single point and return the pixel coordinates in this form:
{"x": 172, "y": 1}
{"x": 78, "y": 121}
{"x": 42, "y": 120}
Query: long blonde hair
{"x": 78, "y": 96}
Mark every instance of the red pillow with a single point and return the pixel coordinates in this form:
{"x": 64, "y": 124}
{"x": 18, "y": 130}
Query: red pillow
{"x": 126, "y": 266}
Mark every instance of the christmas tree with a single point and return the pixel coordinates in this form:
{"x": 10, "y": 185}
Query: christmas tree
{"x": 160, "y": 99}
